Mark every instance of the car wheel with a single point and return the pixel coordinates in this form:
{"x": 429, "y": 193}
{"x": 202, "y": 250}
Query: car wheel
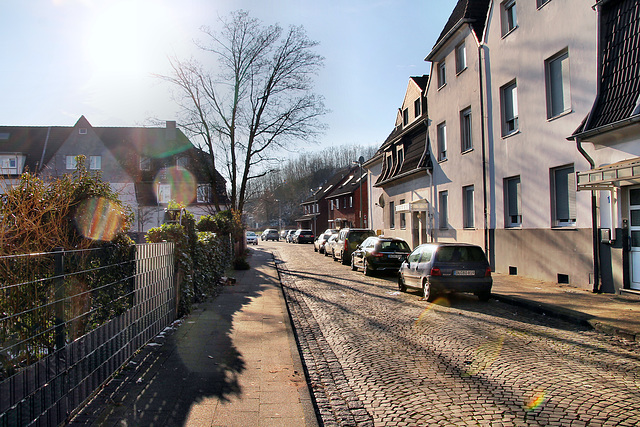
{"x": 333, "y": 255}
{"x": 426, "y": 290}
{"x": 353, "y": 264}
{"x": 484, "y": 296}
{"x": 345, "y": 261}
{"x": 315, "y": 249}
{"x": 401, "y": 286}
{"x": 367, "y": 270}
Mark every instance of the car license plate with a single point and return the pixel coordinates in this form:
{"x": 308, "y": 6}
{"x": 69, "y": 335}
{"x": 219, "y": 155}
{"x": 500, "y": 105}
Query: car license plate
{"x": 395, "y": 256}
{"x": 464, "y": 273}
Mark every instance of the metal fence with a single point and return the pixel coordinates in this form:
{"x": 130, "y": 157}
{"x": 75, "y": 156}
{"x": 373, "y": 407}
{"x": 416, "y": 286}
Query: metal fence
{"x": 70, "y": 319}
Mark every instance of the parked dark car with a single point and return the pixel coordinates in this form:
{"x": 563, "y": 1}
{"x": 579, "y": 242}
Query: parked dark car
{"x": 321, "y": 240}
{"x": 270, "y": 234}
{"x": 380, "y": 254}
{"x": 447, "y": 267}
{"x": 347, "y": 242}
{"x": 303, "y": 236}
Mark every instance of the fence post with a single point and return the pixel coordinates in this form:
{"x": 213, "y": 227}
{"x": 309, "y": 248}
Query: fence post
{"x": 59, "y": 297}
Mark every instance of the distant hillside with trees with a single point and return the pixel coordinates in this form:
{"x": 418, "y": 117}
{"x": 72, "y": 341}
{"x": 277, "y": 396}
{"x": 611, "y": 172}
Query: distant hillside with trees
{"x": 280, "y": 192}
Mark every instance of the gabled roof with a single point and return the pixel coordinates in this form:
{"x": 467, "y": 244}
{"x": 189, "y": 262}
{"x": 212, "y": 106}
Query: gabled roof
{"x": 473, "y": 12}
{"x": 127, "y": 144}
{"x": 344, "y": 181}
{"x": 618, "y": 98}
{"x": 39, "y": 144}
{"x": 421, "y": 81}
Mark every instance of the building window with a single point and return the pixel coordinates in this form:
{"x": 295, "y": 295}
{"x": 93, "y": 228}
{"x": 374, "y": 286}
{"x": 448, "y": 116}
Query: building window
{"x": 203, "y": 193}
{"x": 466, "y": 143}
{"x": 392, "y": 215}
{"x": 145, "y": 163}
{"x": 405, "y": 116}
{"x": 563, "y": 196}
{"x": 389, "y": 163}
{"x": 182, "y": 162}
{"x": 558, "y": 91}
{"x": 509, "y": 19}
{"x": 95, "y": 162}
{"x": 417, "y": 107}
{"x": 467, "y": 207}
{"x": 164, "y": 193}
{"x": 509, "y": 98}
{"x": 350, "y": 201}
{"x": 403, "y": 217}
{"x": 71, "y": 162}
{"x": 541, "y": 3}
{"x": 443, "y": 214}
{"x": 331, "y": 203}
{"x": 461, "y": 58}
{"x": 400, "y": 157}
{"x": 442, "y": 141}
{"x": 82, "y": 131}
{"x": 512, "y": 203}
{"x": 442, "y": 74}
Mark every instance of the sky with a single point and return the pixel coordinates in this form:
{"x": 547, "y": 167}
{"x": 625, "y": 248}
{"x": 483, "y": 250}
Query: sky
{"x": 62, "y": 59}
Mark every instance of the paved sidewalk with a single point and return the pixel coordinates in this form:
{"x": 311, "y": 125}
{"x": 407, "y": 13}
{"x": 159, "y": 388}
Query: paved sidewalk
{"x": 232, "y": 362}
{"x": 610, "y": 313}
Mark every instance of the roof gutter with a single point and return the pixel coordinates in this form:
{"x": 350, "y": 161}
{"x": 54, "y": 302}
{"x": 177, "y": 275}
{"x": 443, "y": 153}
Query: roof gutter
{"x": 606, "y": 128}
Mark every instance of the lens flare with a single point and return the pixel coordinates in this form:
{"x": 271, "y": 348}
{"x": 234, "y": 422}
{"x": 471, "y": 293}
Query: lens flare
{"x": 442, "y": 301}
{"x": 536, "y": 401}
{"x": 485, "y": 355}
{"x": 175, "y": 184}
{"x": 99, "y": 219}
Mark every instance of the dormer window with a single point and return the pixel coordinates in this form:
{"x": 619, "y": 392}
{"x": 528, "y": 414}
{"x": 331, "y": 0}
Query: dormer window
{"x": 82, "y": 131}
{"x": 400, "y": 157}
{"x": 405, "y": 116}
{"x": 145, "y": 164}
{"x": 416, "y": 107}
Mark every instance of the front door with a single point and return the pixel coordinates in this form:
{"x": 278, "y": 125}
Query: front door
{"x": 634, "y": 236}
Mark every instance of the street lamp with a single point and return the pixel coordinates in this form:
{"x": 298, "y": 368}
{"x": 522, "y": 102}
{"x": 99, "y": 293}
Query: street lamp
{"x": 359, "y": 163}
{"x": 279, "y": 217}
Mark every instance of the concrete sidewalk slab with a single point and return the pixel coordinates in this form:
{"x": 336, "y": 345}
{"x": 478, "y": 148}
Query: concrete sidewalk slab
{"x": 610, "y": 313}
{"x": 232, "y": 362}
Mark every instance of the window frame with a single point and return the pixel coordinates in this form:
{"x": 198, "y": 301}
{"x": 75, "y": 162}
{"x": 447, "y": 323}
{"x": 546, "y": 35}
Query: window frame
{"x": 509, "y": 203}
{"x": 403, "y": 217}
{"x": 570, "y": 202}
{"x": 144, "y": 163}
{"x": 468, "y": 207}
{"x": 203, "y": 193}
{"x": 95, "y": 163}
{"x": 442, "y": 74}
{"x": 71, "y": 162}
{"x": 164, "y": 189}
{"x": 466, "y": 130}
{"x": 441, "y": 139}
{"x": 461, "y": 62}
{"x": 512, "y": 87}
{"x": 417, "y": 107}
{"x": 405, "y": 116}
{"x": 551, "y": 83}
{"x": 443, "y": 210}
{"x": 508, "y": 17}
{"x": 392, "y": 215}
{"x": 540, "y": 3}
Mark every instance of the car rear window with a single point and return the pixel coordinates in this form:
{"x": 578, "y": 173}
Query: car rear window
{"x": 460, "y": 254}
{"x": 359, "y": 236}
{"x": 394, "y": 246}
{"x": 306, "y": 233}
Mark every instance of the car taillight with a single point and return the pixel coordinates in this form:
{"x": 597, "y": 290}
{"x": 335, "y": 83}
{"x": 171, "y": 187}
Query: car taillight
{"x": 436, "y": 272}
{"x": 346, "y": 244}
{"x": 376, "y": 254}
{"x": 487, "y": 273}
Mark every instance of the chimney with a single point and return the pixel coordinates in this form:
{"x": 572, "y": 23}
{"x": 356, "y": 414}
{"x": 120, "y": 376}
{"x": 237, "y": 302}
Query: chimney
{"x": 170, "y": 133}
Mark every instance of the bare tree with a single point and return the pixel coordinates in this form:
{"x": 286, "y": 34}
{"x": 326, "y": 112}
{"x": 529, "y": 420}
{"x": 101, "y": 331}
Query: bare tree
{"x": 257, "y": 102}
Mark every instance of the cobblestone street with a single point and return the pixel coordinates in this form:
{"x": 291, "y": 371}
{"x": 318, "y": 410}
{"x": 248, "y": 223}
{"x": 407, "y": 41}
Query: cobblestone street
{"x": 376, "y": 356}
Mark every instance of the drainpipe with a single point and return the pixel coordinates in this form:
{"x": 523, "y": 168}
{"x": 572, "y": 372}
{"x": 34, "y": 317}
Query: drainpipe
{"x": 430, "y": 218}
{"x": 485, "y": 212}
{"x": 594, "y": 223}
